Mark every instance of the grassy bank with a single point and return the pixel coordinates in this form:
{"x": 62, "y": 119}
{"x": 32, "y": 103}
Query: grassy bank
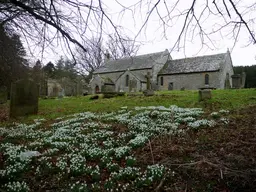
{"x": 221, "y": 99}
{"x": 133, "y": 148}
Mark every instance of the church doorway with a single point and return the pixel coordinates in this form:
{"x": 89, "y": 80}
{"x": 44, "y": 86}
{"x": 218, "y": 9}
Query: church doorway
{"x": 97, "y": 89}
{"x": 170, "y": 86}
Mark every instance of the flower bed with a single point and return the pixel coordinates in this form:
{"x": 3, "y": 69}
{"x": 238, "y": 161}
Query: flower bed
{"x": 85, "y": 153}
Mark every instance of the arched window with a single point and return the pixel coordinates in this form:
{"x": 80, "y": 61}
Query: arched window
{"x": 206, "y": 79}
{"x": 127, "y": 80}
{"x": 161, "y": 81}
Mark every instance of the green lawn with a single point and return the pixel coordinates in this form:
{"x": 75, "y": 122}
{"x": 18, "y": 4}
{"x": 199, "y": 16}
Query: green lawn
{"x": 221, "y": 99}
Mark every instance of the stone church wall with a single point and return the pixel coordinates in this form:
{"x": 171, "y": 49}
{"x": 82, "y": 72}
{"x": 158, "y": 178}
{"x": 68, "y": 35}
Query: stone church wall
{"x": 158, "y": 65}
{"x": 121, "y": 82}
{"x": 227, "y": 67}
{"x": 191, "y": 81}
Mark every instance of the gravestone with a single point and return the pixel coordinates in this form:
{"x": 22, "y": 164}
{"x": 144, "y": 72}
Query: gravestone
{"x": 24, "y": 98}
{"x": 55, "y": 91}
{"x": 149, "y": 91}
{"x": 236, "y": 81}
{"x": 170, "y": 86}
{"x": 3, "y": 94}
{"x": 61, "y": 93}
{"x": 205, "y": 94}
{"x": 133, "y": 85}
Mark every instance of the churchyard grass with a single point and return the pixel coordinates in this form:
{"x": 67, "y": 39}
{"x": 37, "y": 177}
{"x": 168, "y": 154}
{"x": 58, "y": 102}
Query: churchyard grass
{"x": 221, "y": 99}
{"x": 132, "y": 143}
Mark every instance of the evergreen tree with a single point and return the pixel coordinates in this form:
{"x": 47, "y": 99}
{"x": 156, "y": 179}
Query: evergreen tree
{"x": 13, "y": 65}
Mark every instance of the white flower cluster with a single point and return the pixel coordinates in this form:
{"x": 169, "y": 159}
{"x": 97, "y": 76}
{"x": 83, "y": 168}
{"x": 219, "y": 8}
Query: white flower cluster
{"x": 139, "y": 140}
{"x": 223, "y": 111}
{"x": 16, "y": 186}
{"x": 122, "y": 151}
{"x": 87, "y": 145}
{"x": 202, "y": 122}
{"x": 79, "y": 186}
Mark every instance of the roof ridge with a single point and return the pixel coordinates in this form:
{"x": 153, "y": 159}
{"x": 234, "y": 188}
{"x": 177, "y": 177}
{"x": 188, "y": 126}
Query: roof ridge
{"x": 198, "y": 56}
{"x": 129, "y": 57}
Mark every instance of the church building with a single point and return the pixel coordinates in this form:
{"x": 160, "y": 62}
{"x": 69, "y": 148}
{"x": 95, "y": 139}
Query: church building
{"x": 131, "y": 74}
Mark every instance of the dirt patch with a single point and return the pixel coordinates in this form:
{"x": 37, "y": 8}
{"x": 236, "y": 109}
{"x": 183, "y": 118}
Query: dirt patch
{"x": 212, "y": 159}
{"x": 4, "y": 112}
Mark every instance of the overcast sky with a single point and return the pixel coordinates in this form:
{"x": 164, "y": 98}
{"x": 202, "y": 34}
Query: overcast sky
{"x": 153, "y": 39}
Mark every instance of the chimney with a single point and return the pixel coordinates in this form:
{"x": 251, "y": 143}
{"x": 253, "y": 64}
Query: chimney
{"x": 107, "y": 56}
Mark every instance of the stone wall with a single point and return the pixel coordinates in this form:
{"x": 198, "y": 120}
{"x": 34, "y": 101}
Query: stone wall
{"x": 192, "y": 81}
{"x": 120, "y": 84}
{"x": 53, "y": 88}
{"x": 226, "y": 67}
{"x": 107, "y": 88}
{"x": 158, "y": 65}
{"x": 119, "y": 79}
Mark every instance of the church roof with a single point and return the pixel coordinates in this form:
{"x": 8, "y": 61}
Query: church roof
{"x": 140, "y": 77}
{"x": 194, "y": 64}
{"x": 132, "y": 63}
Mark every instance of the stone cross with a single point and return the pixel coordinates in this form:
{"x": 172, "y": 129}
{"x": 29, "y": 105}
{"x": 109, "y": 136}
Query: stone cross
{"x": 24, "y": 98}
{"x": 148, "y": 76}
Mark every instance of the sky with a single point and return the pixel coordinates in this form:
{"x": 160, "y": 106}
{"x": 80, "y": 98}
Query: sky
{"x": 155, "y": 36}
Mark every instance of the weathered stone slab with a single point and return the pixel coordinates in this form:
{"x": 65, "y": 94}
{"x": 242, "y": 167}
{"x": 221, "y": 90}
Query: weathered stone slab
{"x": 205, "y": 94}
{"x": 24, "y": 98}
{"x": 149, "y": 92}
{"x": 3, "y": 94}
{"x": 236, "y": 81}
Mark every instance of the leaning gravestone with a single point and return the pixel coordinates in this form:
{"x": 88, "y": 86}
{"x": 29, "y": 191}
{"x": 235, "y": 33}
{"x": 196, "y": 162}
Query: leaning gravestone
{"x": 24, "y": 98}
{"x": 3, "y": 94}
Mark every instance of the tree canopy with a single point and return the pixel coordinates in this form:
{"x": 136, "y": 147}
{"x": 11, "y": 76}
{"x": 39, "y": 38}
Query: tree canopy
{"x": 13, "y": 64}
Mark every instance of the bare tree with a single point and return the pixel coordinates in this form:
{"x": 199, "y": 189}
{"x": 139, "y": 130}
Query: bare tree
{"x": 198, "y": 19}
{"x": 45, "y": 22}
{"x": 96, "y": 53}
{"x": 121, "y": 47}
{"x": 48, "y": 22}
{"x": 91, "y": 59}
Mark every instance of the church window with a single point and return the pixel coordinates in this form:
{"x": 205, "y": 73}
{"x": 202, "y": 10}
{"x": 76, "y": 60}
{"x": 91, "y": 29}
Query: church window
{"x": 162, "y": 81}
{"x": 127, "y": 80}
{"x": 206, "y": 79}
